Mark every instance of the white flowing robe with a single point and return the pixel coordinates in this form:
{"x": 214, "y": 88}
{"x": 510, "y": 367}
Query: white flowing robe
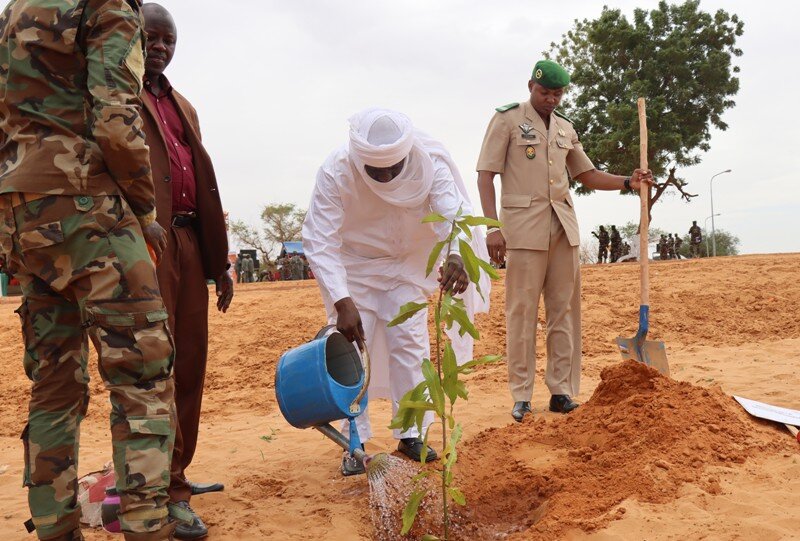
{"x": 362, "y": 247}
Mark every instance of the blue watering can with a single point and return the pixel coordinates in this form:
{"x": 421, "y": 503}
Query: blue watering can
{"x": 324, "y": 381}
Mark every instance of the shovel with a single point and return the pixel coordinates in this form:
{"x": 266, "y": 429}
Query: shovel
{"x": 639, "y": 348}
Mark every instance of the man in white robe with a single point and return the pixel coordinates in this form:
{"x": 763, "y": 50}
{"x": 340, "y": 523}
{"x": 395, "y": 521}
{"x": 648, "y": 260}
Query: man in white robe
{"x": 368, "y": 248}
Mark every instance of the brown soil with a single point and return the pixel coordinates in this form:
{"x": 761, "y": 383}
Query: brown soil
{"x": 645, "y": 457}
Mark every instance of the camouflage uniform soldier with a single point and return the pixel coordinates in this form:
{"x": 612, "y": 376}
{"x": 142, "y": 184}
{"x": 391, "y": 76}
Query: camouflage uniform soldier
{"x": 616, "y": 244}
{"x": 695, "y": 238}
{"x": 678, "y": 244}
{"x": 602, "y": 238}
{"x": 670, "y": 247}
{"x": 76, "y": 196}
{"x": 283, "y": 263}
{"x": 663, "y": 248}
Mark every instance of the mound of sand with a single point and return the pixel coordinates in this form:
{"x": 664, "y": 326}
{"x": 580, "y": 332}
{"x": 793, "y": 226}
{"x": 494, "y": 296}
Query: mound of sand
{"x": 641, "y": 435}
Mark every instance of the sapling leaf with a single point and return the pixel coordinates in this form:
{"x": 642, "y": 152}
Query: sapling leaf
{"x": 421, "y": 475}
{"x": 465, "y": 229}
{"x": 423, "y": 455}
{"x": 460, "y": 316}
{"x": 470, "y": 263}
{"x": 405, "y": 417}
{"x": 488, "y": 269}
{"x": 452, "y": 456}
{"x": 461, "y": 390}
{"x": 434, "y": 257}
{"x": 480, "y": 220}
{"x": 434, "y": 386}
{"x": 450, "y": 371}
{"x": 429, "y": 537}
{"x": 433, "y": 218}
{"x": 410, "y": 511}
{"x": 417, "y": 405}
{"x": 406, "y": 312}
{"x": 486, "y": 359}
{"x": 457, "y": 496}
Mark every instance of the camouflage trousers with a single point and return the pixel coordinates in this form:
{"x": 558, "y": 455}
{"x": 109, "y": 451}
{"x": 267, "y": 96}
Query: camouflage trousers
{"x": 86, "y": 275}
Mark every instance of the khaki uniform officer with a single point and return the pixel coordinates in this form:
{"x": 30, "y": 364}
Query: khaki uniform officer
{"x": 533, "y": 148}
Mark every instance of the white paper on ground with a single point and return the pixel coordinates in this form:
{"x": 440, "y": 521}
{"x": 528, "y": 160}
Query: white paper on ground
{"x": 770, "y": 412}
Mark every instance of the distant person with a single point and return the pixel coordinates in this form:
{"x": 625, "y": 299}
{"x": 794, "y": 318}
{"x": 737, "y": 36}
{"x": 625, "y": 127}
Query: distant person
{"x": 248, "y": 268}
{"x": 678, "y": 244}
{"x": 536, "y": 151}
{"x": 189, "y": 207}
{"x": 663, "y": 248}
{"x": 670, "y": 247}
{"x": 283, "y": 266}
{"x": 602, "y": 238}
{"x": 626, "y": 249}
{"x": 616, "y": 244}
{"x": 368, "y": 247}
{"x": 695, "y": 239}
{"x": 238, "y": 268}
{"x": 76, "y": 193}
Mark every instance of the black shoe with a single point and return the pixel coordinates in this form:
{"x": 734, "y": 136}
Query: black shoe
{"x": 562, "y": 403}
{"x": 190, "y": 530}
{"x": 412, "y": 448}
{"x": 519, "y": 410}
{"x": 352, "y": 466}
{"x": 205, "y": 488}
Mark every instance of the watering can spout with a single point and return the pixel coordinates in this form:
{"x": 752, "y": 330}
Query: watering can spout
{"x": 339, "y": 439}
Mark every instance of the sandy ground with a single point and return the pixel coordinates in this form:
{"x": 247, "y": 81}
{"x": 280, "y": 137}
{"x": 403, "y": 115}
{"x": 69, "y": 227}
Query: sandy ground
{"x": 731, "y": 326}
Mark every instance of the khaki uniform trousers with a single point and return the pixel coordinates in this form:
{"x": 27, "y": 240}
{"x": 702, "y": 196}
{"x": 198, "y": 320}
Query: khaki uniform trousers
{"x": 556, "y": 273}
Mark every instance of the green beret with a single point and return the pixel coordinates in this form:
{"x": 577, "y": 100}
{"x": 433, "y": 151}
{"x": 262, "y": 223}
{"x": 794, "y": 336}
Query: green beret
{"x": 549, "y": 74}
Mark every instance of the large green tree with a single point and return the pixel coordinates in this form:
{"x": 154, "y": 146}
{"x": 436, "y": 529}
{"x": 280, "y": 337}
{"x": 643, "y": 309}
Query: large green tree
{"x": 677, "y": 57}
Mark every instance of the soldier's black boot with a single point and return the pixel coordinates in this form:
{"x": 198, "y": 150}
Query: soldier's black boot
{"x": 195, "y": 529}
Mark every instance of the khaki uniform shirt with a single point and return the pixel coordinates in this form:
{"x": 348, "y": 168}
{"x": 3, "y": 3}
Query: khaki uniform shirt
{"x": 533, "y": 163}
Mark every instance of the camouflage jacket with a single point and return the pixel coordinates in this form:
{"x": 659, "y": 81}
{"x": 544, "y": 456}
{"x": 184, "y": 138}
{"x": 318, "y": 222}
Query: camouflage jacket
{"x": 70, "y": 81}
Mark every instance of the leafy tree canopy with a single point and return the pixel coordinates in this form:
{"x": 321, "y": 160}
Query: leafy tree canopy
{"x": 679, "y": 58}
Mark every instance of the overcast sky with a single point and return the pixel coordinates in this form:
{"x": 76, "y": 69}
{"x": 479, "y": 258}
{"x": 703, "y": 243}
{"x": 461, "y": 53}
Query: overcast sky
{"x": 275, "y": 81}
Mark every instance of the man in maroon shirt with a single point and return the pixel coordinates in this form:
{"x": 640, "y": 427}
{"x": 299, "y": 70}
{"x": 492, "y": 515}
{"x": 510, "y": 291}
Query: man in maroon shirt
{"x": 188, "y": 205}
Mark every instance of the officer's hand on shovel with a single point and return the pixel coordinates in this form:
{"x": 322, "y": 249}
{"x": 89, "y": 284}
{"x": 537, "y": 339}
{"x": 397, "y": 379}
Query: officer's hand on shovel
{"x": 639, "y": 176}
{"x": 348, "y": 321}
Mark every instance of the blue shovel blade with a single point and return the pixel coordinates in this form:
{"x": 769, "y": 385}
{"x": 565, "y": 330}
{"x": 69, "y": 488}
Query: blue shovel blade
{"x": 645, "y": 351}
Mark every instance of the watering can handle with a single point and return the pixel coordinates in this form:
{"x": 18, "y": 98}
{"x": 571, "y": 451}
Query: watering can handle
{"x": 354, "y": 406}
{"x": 323, "y": 331}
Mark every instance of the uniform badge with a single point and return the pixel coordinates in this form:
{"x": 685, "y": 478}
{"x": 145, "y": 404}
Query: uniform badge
{"x": 526, "y": 131}
{"x": 530, "y": 152}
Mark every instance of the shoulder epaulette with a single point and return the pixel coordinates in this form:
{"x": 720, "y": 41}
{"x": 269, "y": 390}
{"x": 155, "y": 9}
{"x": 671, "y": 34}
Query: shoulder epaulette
{"x": 562, "y": 115}
{"x": 507, "y": 107}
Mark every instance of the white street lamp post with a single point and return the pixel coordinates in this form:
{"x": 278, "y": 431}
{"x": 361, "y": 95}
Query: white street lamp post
{"x": 705, "y": 228}
{"x": 713, "y": 229}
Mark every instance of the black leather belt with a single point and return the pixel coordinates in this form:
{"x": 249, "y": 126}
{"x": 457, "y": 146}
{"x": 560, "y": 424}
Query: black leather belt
{"x": 184, "y": 219}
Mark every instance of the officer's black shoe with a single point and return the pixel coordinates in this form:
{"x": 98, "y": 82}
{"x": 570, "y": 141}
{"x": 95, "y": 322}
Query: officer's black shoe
{"x": 205, "y": 488}
{"x": 190, "y": 530}
{"x": 519, "y": 410}
{"x": 562, "y": 403}
{"x": 412, "y": 448}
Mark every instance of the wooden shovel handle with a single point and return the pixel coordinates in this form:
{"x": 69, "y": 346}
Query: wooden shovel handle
{"x": 644, "y": 197}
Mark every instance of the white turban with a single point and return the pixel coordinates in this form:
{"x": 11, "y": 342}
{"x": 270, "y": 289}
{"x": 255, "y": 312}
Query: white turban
{"x": 383, "y": 138}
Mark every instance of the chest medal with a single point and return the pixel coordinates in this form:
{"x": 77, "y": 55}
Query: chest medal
{"x": 530, "y": 152}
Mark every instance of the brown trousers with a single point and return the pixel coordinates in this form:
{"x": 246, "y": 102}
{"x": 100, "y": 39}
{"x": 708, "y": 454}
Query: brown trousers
{"x": 185, "y": 293}
{"x": 556, "y": 272}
